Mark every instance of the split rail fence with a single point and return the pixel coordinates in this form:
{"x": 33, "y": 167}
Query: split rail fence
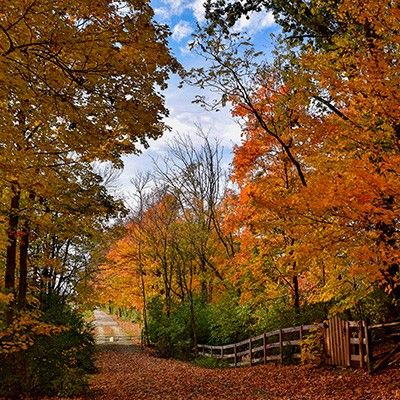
{"x": 346, "y": 343}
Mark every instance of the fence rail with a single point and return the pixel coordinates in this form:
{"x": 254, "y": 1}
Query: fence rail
{"x": 117, "y": 339}
{"x": 346, "y": 343}
{"x": 270, "y": 346}
{"x": 384, "y": 343}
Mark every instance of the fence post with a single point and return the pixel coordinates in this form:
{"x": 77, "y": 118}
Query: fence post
{"x": 251, "y": 352}
{"x": 361, "y": 343}
{"x": 280, "y": 346}
{"x": 265, "y": 347}
{"x": 222, "y": 352}
{"x": 235, "y": 350}
{"x": 368, "y": 346}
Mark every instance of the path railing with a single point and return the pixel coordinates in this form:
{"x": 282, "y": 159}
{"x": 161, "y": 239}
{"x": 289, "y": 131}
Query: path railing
{"x": 107, "y": 339}
{"x": 346, "y": 343}
{"x": 270, "y": 346}
{"x": 384, "y": 342}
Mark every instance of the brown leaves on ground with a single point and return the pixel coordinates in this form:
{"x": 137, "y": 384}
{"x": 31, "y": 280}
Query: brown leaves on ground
{"x": 139, "y": 375}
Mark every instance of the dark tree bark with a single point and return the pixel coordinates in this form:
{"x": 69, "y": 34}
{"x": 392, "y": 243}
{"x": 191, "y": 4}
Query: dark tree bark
{"x": 11, "y": 256}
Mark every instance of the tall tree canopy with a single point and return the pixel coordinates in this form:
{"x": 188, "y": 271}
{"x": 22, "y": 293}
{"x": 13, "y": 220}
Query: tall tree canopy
{"x": 81, "y": 83}
{"x": 318, "y": 164}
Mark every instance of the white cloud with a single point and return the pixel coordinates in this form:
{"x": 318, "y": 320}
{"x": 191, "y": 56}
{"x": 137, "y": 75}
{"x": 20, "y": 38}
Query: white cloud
{"x": 184, "y": 116}
{"x": 198, "y": 10}
{"x": 176, "y": 6}
{"x": 162, "y": 13}
{"x": 255, "y": 23}
{"x": 166, "y": 9}
{"x": 169, "y": 8}
{"x": 181, "y": 30}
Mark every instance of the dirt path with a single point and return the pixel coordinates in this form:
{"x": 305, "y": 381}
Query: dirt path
{"x": 108, "y": 330}
{"x": 127, "y": 372}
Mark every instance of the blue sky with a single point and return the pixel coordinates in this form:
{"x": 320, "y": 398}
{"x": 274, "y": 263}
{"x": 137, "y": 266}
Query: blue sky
{"x": 182, "y": 16}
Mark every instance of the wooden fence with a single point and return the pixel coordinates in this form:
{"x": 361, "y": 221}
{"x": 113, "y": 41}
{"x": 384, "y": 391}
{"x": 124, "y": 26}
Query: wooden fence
{"x": 117, "y": 339}
{"x": 384, "y": 344}
{"x": 346, "y": 343}
{"x": 278, "y": 345}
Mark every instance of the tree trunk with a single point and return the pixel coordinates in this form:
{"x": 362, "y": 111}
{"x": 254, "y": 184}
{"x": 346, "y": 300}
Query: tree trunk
{"x": 11, "y": 257}
{"x": 145, "y": 324}
{"x": 296, "y": 294}
{"x": 193, "y": 323}
{"x": 23, "y": 265}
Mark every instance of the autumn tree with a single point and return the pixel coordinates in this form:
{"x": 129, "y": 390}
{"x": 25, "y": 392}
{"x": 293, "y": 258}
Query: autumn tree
{"x": 304, "y": 21}
{"x": 79, "y": 84}
{"x": 318, "y": 162}
{"x": 193, "y": 174}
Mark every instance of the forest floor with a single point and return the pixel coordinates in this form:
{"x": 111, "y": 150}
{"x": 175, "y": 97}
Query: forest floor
{"x": 132, "y": 373}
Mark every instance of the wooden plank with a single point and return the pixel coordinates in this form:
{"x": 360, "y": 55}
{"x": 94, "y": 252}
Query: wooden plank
{"x": 272, "y": 345}
{"x": 259, "y": 337}
{"x": 331, "y": 357}
{"x": 264, "y": 348}
{"x": 361, "y": 342}
{"x": 273, "y": 358}
{"x": 250, "y": 352}
{"x": 290, "y": 330}
{"x": 340, "y": 342}
{"x": 228, "y": 356}
{"x": 242, "y": 342}
{"x": 342, "y": 349}
{"x": 272, "y": 333}
{"x": 332, "y": 332}
{"x": 368, "y": 346}
{"x": 384, "y": 325}
{"x": 327, "y": 344}
{"x": 337, "y": 341}
{"x": 243, "y": 353}
{"x": 348, "y": 350}
{"x": 356, "y": 357}
{"x": 257, "y": 349}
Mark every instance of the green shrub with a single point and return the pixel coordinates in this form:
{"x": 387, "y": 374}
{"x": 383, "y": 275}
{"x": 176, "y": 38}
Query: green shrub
{"x": 281, "y": 314}
{"x": 230, "y": 321}
{"x": 173, "y": 335}
{"x": 54, "y": 365}
{"x": 210, "y": 362}
{"x": 376, "y": 308}
{"x": 312, "y": 347}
